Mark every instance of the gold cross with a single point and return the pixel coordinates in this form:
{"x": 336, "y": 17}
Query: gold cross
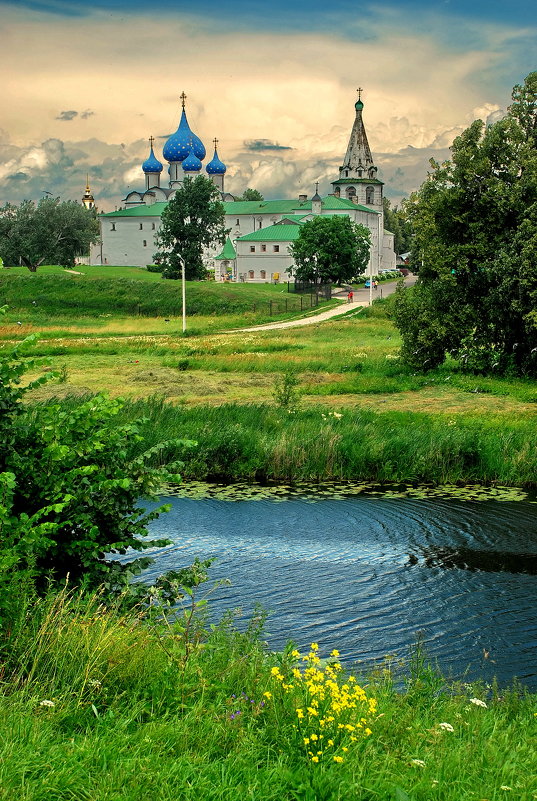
{"x": 151, "y": 140}
{"x": 183, "y": 98}
{"x": 359, "y": 90}
{"x": 215, "y": 140}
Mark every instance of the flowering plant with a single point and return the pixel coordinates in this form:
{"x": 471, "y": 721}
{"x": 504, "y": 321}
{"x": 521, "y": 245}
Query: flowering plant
{"x": 332, "y": 710}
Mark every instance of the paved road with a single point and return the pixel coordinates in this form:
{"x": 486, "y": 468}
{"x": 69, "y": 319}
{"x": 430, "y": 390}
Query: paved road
{"x": 361, "y": 298}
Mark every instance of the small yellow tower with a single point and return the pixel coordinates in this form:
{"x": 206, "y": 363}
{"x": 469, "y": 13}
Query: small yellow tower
{"x": 88, "y": 200}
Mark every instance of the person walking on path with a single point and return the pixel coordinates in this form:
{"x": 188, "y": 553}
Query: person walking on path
{"x": 350, "y": 296}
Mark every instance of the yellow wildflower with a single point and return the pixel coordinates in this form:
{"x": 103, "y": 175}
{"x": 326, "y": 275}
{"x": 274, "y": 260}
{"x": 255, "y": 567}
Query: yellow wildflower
{"x": 338, "y": 759}
{"x": 267, "y": 695}
{"x": 315, "y": 759}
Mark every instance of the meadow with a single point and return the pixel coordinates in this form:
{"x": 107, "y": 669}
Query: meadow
{"x": 100, "y": 705}
{"x": 357, "y": 413}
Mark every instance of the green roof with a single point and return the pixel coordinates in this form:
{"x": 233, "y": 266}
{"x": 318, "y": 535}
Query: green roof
{"x": 228, "y": 253}
{"x": 238, "y": 207}
{"x": 273, "y": 233}
{"x": 139, "y": 211}
{"x": 329, "y": 203}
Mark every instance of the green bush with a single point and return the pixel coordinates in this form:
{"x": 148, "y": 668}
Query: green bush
{"x": 70, "y": 483}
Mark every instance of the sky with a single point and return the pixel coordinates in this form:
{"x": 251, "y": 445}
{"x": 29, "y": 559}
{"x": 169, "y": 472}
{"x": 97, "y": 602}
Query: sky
{"x": 89, "y": 82}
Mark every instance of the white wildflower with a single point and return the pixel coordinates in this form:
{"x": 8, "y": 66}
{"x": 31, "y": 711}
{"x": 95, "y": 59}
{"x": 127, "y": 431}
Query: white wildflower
{"x": 446, "y": 726}
{"x": 505, "y": 787}
{"x": 478, "y": 702}
{"x": 48, "y": 703}
{"x": 419, "y": 762}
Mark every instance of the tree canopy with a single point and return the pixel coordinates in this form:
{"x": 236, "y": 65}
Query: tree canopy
{"x": 251, "y": 194}
{"x": 396, "y": 221}
{"x": 475, "y": 236}
{"x": 192, "y": 220}
{"x": 330, "y": 250}
{"x": 51, "y": 232}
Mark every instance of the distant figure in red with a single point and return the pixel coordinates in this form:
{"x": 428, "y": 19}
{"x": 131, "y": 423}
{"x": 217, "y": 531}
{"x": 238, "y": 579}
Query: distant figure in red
{"x": 350, "y": 296}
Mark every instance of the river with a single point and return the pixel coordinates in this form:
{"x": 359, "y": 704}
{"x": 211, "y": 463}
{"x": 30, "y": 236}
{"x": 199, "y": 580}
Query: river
{"x": 369, "y": 573}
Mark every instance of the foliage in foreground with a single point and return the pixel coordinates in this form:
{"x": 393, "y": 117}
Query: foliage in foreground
{"x": 99, "y": 706}
{"x": 70, "y": 486}
{"x": 475, "y": 237}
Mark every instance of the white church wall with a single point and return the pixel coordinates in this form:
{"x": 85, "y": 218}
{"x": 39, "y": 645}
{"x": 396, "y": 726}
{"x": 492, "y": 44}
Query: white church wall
{"x": 123, "y": 240}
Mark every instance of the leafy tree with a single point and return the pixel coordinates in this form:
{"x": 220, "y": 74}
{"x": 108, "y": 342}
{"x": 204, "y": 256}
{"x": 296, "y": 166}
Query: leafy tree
{"x": 53, "y": 232}
{"x": 251, "y": 194}
{"x": 192, "y": 220}
{"x": 475, "y": 231}
{"x": 330, "y": 250}
{"x": 70, "y": 483}
{"x": 396, "y": 221}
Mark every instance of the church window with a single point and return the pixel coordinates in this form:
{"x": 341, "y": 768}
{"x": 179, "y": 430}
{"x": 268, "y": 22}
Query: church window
{"x": 276, "y": 248}
{"x": 152, "y": 226}
{"x": 359, "y": 173}
{"x": 141, "y": 226}
{"x": 252, "y": 248}
{"x": 263, "y": 274}
{"x": 351, "y": 191}
{"x": 370, "y": 194}
{"x": 250, "y": 273}
{"x": 263, "y": 248}
{"x": 145, "y": 243}
{"x": 238, "y": 222}
{"x": 113, "y": 228}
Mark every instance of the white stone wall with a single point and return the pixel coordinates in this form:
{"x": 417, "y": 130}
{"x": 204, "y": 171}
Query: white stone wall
{"x": 261, "y": 261}
{"x": 123, "y": 240}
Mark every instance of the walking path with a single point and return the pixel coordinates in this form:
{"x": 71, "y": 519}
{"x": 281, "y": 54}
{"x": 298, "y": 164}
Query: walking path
{"x": 361, "y": 298}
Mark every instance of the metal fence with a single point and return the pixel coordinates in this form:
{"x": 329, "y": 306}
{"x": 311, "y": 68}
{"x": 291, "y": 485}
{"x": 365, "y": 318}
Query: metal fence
{"x": 298, "y": 287}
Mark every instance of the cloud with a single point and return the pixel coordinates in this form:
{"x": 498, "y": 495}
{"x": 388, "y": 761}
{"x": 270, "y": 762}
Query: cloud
{"x": 252, "y": 89}
{"x": 66, "y": 116}
{"x": 264, "y": 144}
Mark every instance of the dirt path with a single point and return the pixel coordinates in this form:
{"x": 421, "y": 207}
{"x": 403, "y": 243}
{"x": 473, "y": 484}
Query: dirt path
{"x": 361, "y": 298}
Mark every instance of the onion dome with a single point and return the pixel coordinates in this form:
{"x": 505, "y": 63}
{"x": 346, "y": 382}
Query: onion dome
{"x": 179, "y": 145}
{"x": 152, "y": 164}
{"x": 215, "y": 167}
{"x": 192, "y": 163}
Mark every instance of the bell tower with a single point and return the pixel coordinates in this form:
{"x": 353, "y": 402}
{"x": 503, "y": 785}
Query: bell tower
{"x": 358, "y": 174}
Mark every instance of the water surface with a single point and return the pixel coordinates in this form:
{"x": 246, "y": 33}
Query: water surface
{"x": 368, "y": 573}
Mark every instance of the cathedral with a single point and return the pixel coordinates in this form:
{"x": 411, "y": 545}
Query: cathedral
{"x": 260, "y": 231}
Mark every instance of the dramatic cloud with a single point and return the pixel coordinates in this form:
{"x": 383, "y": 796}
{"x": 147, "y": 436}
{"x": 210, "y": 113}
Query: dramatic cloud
{"x": 252, "y": 88}
{"x": 264, "y": 144}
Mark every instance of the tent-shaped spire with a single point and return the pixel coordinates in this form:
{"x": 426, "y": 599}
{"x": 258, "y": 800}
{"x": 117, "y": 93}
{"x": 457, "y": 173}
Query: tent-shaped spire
{"x": 358, "y": 162}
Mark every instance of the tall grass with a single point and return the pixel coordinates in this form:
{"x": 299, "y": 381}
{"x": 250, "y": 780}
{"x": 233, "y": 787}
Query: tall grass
{"x": 262, "y": 442}
{"x": 97, "y": 707}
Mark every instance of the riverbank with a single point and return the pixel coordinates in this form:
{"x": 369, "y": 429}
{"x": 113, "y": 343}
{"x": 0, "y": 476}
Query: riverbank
{"x": 267, "y": 443}
{"x": 99, "y": 705}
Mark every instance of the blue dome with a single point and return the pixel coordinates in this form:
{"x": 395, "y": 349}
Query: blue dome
{"x": 192, "y": 163}
{"x": 152, "y": 164}
{"x": 179, "y": 145}
{"x": 215, "y": 167}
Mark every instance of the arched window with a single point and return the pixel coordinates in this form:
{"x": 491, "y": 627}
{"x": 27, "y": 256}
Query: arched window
{"x": 145, "y": 243}
{"x": 113, "y": 228}
{"x": 351, "y": 192}
{"x": 250, "y": 273}
{"x": 263, "y": 274}
{"x": 370, "y": 194}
